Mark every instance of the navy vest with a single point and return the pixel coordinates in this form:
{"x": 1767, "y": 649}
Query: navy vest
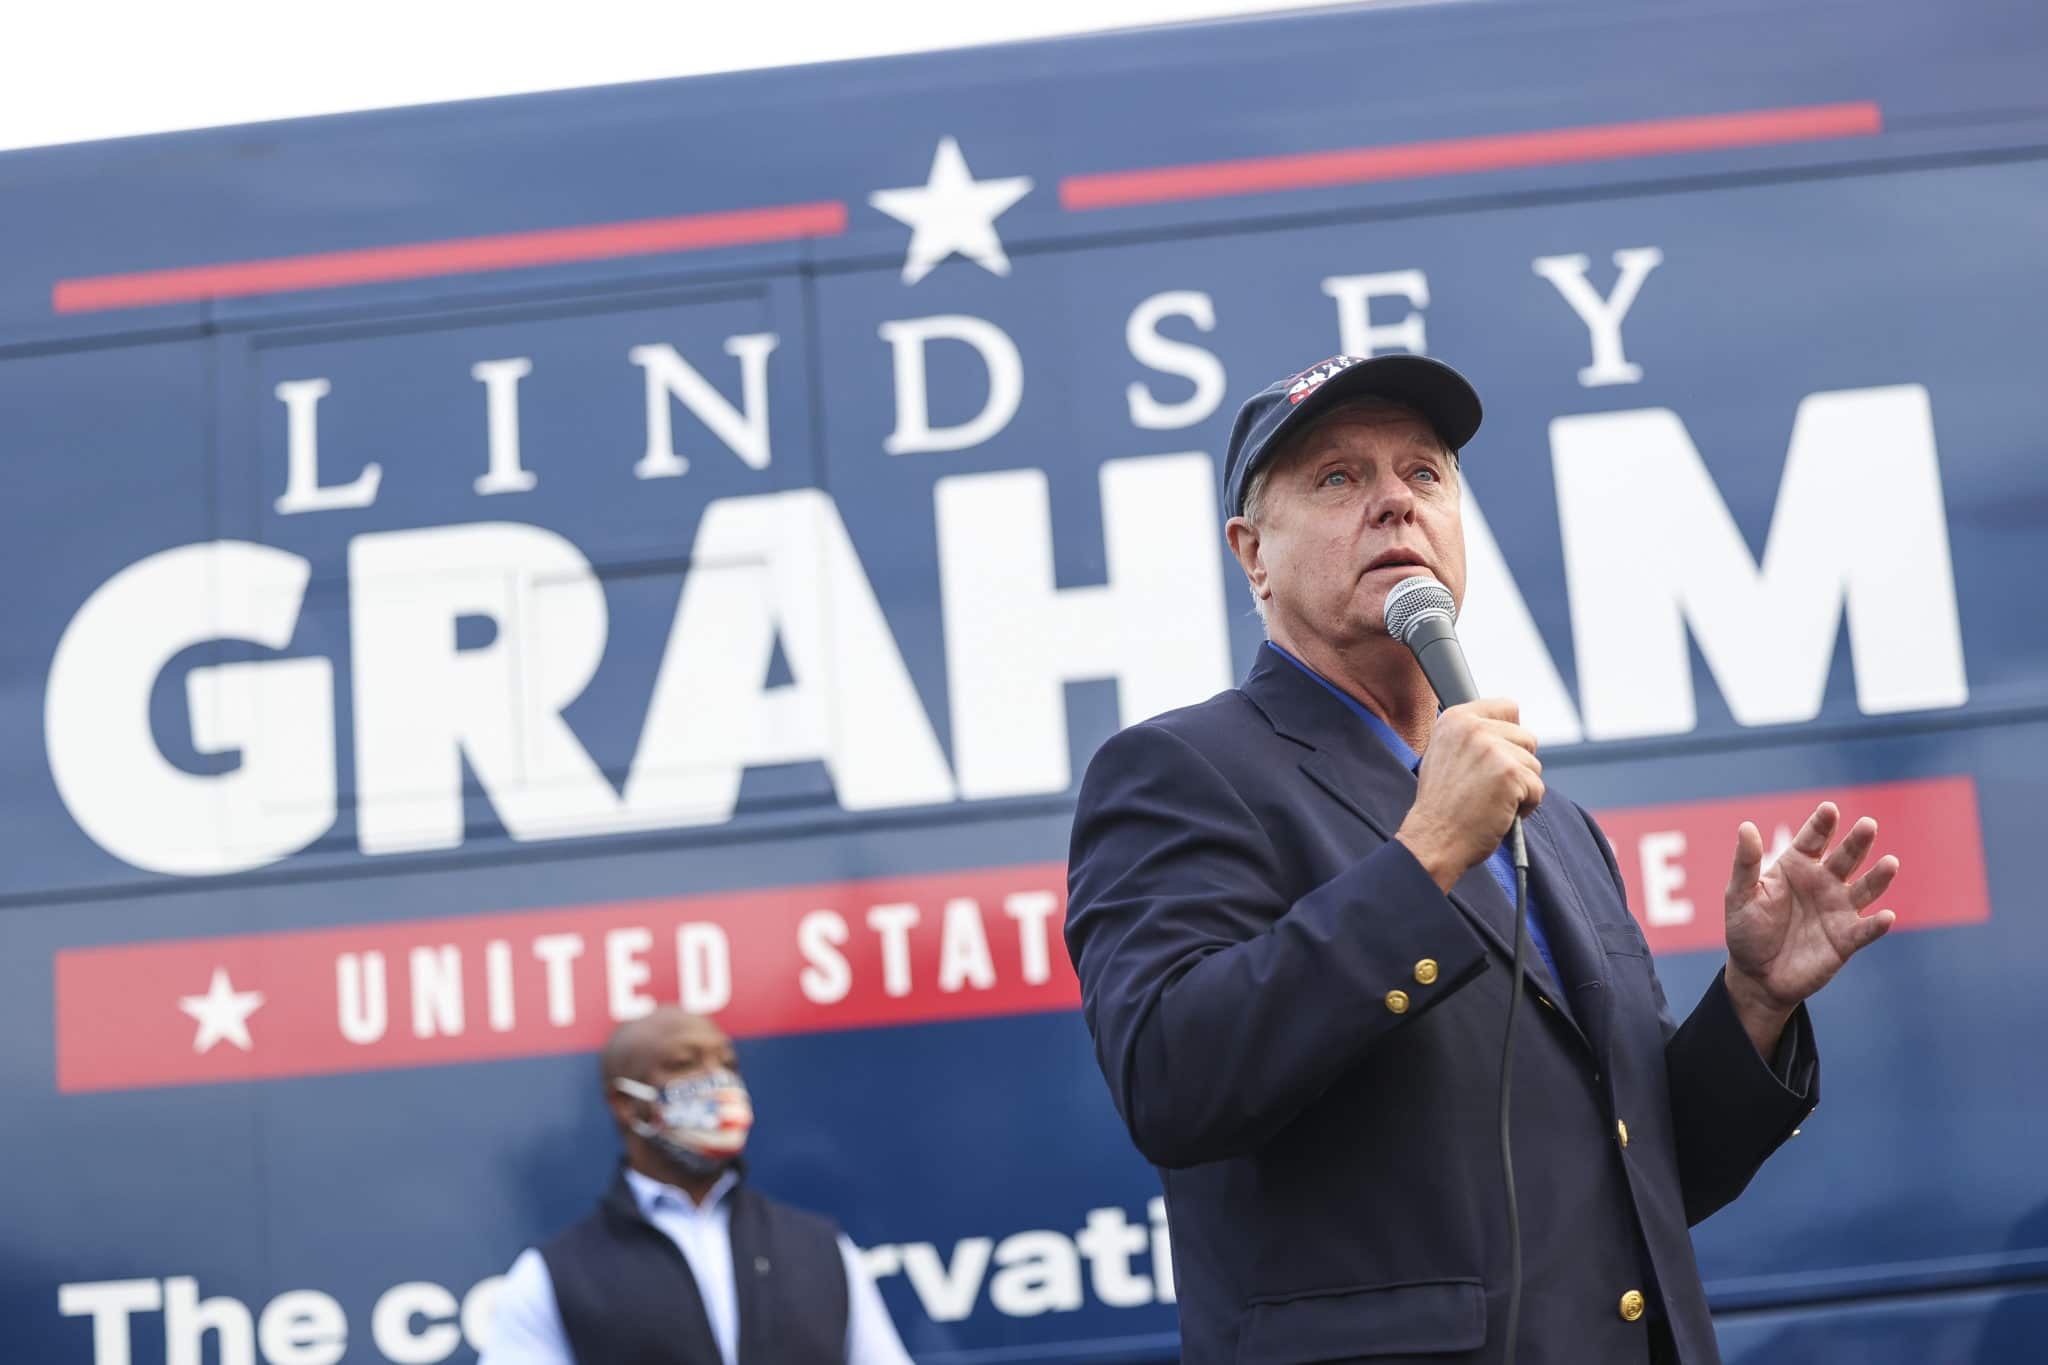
{"x": 627, "y": 1296}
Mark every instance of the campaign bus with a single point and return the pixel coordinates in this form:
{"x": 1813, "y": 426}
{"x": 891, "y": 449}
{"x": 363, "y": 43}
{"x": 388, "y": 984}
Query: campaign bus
{"x": 476, "y": 573}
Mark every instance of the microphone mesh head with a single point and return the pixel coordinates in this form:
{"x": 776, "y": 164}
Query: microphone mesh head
{"x": 1415, "y": 599}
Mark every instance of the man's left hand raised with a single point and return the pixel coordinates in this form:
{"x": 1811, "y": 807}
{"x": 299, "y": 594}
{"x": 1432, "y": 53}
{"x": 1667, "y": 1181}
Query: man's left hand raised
{"x": 1791, "y": 926}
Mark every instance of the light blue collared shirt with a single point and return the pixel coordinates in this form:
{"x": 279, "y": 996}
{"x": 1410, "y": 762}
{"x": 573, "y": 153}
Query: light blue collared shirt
{"x": 526, "y": 1324}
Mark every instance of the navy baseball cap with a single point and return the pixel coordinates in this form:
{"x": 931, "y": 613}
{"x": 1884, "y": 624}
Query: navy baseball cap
{"x": 1272, "y": 415}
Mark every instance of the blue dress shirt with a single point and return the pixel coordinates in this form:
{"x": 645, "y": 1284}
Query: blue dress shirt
{"x": 1500, "y": 864}
{"x": 526, "y": 1324}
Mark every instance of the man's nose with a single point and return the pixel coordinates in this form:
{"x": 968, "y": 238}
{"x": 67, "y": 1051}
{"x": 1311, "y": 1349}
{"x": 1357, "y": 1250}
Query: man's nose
{"x": 1392, "y": 501}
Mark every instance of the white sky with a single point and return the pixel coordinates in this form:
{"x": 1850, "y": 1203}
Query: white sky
{"x": 76, "y": 70}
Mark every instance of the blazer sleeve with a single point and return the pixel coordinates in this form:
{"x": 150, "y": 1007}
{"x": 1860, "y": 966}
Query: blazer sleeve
{"x": 1220, "y": 1010}
{"x": 1730, "y": 1108}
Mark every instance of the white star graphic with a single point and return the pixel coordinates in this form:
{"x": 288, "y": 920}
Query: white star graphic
{"x": 223, "y": 1013}
{"x": 952, "y": 211}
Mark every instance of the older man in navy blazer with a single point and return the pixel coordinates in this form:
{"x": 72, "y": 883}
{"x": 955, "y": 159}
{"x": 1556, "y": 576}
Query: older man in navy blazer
{"x": 1294, "y": 938}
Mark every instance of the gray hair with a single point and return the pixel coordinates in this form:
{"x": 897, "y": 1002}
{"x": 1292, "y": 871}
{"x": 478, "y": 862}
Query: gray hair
{"x": 1255, "y": 486}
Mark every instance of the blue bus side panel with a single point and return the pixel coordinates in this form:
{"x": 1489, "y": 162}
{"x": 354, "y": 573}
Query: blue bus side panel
{"x": 969, "y": 1153}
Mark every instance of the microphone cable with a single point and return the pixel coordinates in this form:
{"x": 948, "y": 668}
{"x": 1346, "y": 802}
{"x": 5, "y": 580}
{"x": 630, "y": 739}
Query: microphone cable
{"x": 1421, "y": 614}
{"x": 1520, "y": 854}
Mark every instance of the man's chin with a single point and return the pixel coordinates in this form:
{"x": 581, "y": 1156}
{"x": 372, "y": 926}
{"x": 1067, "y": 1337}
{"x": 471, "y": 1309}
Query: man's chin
{"x": 1370, "y": 615}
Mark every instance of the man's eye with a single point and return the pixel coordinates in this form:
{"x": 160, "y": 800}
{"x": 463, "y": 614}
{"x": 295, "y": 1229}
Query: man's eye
{"x": 1426, "y": 473}
{"x": 1335, "y": 477}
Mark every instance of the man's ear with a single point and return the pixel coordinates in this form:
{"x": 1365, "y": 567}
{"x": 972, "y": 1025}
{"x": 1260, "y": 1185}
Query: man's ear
{"x": 1244, "y": 543}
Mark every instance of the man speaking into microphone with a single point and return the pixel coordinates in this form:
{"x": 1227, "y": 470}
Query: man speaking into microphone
{"x": 1293, "y": 918}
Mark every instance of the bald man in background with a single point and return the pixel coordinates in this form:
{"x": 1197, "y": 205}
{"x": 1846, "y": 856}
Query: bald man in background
{"x": 682, "y": 1262}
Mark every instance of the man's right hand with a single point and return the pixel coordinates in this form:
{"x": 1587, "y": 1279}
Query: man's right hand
{"x": 1479, "y": 773}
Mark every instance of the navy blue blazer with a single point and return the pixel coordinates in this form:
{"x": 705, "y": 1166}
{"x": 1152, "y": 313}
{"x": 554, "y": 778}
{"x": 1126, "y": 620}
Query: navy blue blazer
{"x": 1304, "y": 1033}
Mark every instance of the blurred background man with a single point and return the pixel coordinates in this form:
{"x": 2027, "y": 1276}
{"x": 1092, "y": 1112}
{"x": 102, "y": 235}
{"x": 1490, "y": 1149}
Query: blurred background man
{"x": 682, "y": 1261}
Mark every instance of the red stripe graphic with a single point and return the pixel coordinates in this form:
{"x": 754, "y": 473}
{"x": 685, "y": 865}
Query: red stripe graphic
{"x": 802, "y": 959}
{"x": 806, "y": 959}
{"x": 1465, "y": 155}
{"x": 1204, "y": 180}
{"x": 456, "y": 256}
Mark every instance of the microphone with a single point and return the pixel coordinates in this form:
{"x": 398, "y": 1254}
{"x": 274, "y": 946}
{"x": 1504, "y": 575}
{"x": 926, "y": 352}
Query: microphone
{"x": 1421, "y": 614}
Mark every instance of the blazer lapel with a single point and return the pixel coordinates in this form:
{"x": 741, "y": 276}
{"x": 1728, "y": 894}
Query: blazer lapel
{"x": 1479, "y": 888}
{"x": 1349, "y": 763}
{"x": 1568, "y": 926}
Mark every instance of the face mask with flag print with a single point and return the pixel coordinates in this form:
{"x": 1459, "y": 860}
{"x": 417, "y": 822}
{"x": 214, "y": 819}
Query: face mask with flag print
{"x": 704, "y": 1119}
